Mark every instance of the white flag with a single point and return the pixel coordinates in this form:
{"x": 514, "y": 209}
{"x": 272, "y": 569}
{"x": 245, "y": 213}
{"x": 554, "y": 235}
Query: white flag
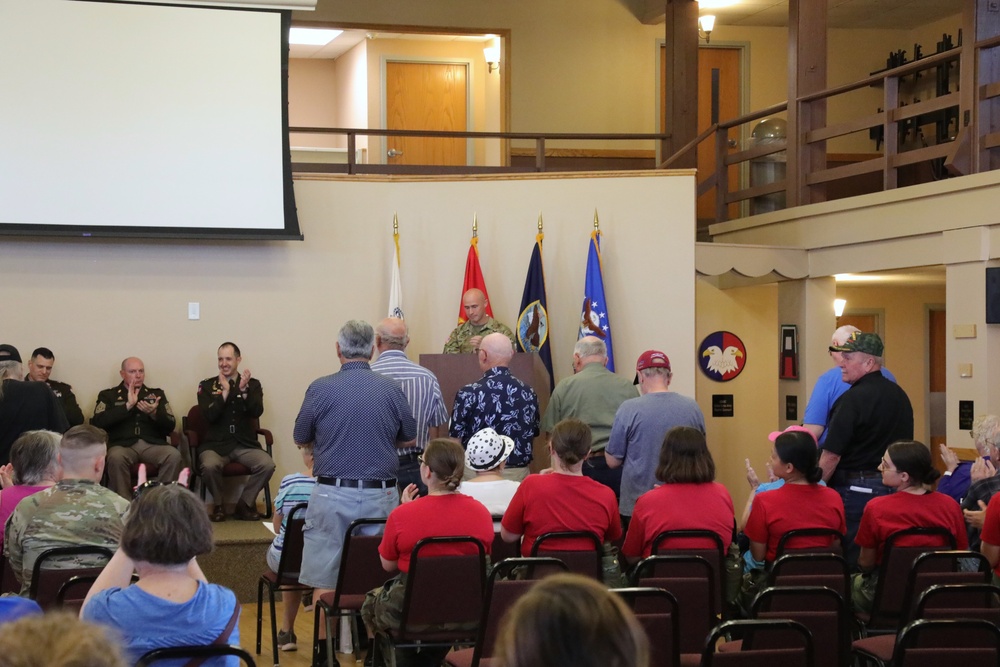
{"x": 395, "y": 288}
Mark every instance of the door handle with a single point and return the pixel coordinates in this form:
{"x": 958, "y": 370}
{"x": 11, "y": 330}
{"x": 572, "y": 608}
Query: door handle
{"x": 732, "y": 143}
{"x": 394, "y": 153}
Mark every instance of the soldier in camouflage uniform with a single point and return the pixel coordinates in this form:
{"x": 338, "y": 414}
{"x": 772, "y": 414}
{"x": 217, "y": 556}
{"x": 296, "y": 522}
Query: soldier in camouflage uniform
{"x": 39, "y": 369}
{"x": 467, "y": 336}
{"x": 231, "y": 402}
{"x": 77, "y": 511}
{"x": 138, "y": 419}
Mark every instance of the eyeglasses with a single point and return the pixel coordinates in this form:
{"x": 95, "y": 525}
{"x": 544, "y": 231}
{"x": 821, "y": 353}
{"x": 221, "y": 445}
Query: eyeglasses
{"x": 142, "y": 488}
{"x": 420, "y": 458}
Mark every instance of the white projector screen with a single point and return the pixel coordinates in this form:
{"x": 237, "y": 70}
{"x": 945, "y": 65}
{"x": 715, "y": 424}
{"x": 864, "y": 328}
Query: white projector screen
{"x": 129, "y": 119}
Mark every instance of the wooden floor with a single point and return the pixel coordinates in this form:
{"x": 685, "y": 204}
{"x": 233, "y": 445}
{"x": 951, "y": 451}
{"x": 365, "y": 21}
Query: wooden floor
{"x": 303, "y": 632}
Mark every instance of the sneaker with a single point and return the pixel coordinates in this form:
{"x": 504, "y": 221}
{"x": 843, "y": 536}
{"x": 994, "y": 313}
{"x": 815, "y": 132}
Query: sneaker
{"x": 286, "y": 641}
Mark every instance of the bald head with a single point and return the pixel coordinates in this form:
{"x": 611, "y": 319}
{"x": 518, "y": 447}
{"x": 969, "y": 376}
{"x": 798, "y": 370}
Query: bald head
{"x": 474, "y": 304}
{"x": 495, "y": 350}
{"x": 391, "y": 334}
{"x": 133, "y": 372}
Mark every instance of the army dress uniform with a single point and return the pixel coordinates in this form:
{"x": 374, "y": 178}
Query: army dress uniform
{"x": 135, "y": 437}
{"x": 232, "y": 437}
{"x": 458, "y": 341}
{"x": 64, "y": 392}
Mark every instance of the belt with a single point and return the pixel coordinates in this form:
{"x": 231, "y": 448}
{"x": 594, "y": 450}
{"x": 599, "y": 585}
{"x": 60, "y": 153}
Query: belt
{"x": 849, "y": 475}
{"x": 409, "y": 458}
{"x": 357, "y": 483}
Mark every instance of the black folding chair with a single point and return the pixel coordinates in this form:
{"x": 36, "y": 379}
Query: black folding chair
{"x": 47, "y": 577}
{"x": 195, "y": 654}
{"x": 585, "y": 561}
{"x": 764, "y": 643}
{"x": 287, "y": 576}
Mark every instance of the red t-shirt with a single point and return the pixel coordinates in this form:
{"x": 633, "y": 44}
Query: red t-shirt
{"x": 446, "y": 515}
{"x": 991, "y": 527}
{"x": 556, "y": 502}
{"x": 679, "y": 507}
{"x": 886, "y": 515}
{"x": 791, "y": 507}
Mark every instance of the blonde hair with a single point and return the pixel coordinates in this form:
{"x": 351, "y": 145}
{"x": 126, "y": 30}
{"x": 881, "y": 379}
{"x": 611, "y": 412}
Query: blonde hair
{"x": 58, "y": 639}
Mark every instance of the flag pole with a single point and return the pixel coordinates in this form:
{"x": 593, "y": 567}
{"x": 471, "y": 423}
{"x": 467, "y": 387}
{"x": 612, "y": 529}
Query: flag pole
{"x": 475, "y": 225}
{"x": 395, "y": 224}
{"x": 597, "y": 225}
{"x": 541, "y": 235}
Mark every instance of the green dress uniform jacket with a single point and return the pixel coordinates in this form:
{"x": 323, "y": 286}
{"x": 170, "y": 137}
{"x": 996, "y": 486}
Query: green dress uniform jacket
{"x": 230, "y": 422}
{"x": 125, "y": 426}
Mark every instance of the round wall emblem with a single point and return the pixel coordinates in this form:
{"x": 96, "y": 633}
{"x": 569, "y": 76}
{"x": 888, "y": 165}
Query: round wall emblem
{"x": 722, "y": 356}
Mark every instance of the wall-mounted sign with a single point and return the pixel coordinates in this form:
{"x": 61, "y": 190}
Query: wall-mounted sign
{"x": 722, "y": 405}
{"x": 722, "y": 356}
{"x": 789, "y": 369}
{"x": 966, "y": 415}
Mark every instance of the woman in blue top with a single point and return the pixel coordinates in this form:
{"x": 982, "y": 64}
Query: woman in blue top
{"x": 172, "y": 604}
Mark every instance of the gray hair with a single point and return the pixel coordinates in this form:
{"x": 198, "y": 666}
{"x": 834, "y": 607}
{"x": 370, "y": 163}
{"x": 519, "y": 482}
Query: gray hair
{"x": 986, "y": 430}
{"x": 590, "y": 346}
{"x": 9, "y": 370}
{"x": 356, "y": 339}
{"x": 657, "y": 370}
{"x": 35, "y": 456}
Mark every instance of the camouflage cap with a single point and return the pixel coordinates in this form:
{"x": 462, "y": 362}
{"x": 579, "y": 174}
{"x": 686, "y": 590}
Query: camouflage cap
{"x": 859, "y": 341}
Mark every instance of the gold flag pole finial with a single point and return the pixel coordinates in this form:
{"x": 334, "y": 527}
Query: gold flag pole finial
{"x": 475, "y": 225}
{"x": 597, "y": 225}
{"x": 395, "y": 224}
{"x": 539, "y": 222}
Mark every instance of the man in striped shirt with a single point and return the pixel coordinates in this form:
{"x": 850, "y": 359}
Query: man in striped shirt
{"x": 422, "y": 391}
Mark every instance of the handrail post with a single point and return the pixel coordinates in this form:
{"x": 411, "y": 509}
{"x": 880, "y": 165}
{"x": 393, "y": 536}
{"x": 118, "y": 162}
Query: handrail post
{"x": 890, "y": 133}
{"x": 351, "y": 152}
{"x": 721, "y": 174}
{"x": 540, "y": 154}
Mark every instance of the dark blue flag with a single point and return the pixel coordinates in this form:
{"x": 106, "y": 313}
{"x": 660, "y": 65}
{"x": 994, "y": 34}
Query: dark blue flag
{"x": 594, "y": 320}
{"x": 533, "y": 321}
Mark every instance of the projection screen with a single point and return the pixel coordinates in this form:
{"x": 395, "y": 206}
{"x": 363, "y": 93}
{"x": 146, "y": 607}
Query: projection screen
{"x": 122, "y": 119}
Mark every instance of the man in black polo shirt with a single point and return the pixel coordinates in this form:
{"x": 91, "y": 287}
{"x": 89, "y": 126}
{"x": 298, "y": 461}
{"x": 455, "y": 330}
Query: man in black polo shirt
{"x": 871, "y": 415}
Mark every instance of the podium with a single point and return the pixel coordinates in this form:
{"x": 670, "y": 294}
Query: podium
{"x": 454, "y": 371}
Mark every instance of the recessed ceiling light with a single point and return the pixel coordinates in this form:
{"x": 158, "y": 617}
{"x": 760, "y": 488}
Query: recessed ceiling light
{"x": 312, "y": 36}
{"x": 716, "y": 4}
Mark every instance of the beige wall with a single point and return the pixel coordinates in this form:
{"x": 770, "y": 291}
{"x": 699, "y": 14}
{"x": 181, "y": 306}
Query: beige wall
{"x": 96, "y": 301}
{"x": 352, "y": 91}
{"x": 905, "y": 326}
{"x": 313, "y": 101}
{"x": 752, "y": 314}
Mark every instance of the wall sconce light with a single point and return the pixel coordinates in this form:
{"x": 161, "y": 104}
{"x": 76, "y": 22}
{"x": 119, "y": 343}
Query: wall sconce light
{"x": 492, "y": 54}
{"x": 838, "y": 306}
{"x": 706, "y": 24}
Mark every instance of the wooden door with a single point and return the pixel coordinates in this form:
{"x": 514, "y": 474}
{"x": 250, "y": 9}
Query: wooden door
{"x": 727, "y": 62}
{"x": 426, "y": 96}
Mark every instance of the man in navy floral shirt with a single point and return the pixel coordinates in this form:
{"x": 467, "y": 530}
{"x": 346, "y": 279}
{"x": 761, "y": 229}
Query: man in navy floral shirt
{"x": 499, "y": 401}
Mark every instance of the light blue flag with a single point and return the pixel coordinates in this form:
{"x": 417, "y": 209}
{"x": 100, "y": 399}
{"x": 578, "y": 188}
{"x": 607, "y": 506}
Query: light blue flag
{"x": 594, "y": 319}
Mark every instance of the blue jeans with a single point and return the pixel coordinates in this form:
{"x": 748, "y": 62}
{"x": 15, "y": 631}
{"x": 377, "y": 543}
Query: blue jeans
{"x": 852, "y": 489}
{"x": 331, "y": 511}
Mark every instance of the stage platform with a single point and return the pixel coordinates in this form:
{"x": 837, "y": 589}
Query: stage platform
{"x": 238, "y": 559}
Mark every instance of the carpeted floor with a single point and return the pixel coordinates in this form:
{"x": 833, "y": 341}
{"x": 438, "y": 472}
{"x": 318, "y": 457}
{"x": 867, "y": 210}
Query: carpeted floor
{"x": 238, "y": 558}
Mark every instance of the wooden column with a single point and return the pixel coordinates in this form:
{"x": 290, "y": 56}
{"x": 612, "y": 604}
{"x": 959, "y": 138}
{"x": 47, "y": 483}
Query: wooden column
{"x": 806, "y": 74}
{"x": 681, "y": 68}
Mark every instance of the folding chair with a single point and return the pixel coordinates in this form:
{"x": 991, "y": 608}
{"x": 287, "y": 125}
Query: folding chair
{"x": 501, "y": 594}
{"x": 46, "y": 581}
{"x": 804, "y": 540}
{"x": 765, "y": 643}
{"x": 823, "y": 611}
{"x": 898, "y": 557}
{"x": 8, "y": 581}
{"x": 970, "y": 642}
{"x": 425, "y": 622}
{"x": 74, "y": 591}
{"x": 811, "y": 569}
{"x": 195, "y": 428}
{"x": 656, "y": 610}
{"x": 691, "y": 581}
{"x": 287, "y": 576}
{"x": 360, "y": 571}
{"x": 715, "y": 555}
{"x": 585, "y": 561}
{"x": 195, "y": 654}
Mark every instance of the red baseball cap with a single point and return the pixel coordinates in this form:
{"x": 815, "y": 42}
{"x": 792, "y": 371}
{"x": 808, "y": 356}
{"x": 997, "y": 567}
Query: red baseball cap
{"x": 652, "y": 359}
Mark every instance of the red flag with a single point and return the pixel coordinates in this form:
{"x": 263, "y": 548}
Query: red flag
{"x": 473, "y": 279}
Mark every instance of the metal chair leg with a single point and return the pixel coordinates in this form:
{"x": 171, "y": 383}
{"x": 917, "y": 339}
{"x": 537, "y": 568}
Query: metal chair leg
{"x": 260, "y": 610}
{"x": 274, "y": 625}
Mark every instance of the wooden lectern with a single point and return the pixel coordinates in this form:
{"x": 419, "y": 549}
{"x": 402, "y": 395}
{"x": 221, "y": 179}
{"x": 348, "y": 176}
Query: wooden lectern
{"x": 454, "y": 371}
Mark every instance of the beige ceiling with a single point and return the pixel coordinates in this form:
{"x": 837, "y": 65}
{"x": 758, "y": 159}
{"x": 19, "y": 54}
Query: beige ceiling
{"x": 904, "y": 14}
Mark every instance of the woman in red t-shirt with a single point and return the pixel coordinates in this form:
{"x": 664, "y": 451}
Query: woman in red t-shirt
{"x": 688, "y": 499}
{"x": 906, "y": 466}
{"x": 443, "y": 512}
{"x": 563, "y": 499}
{"x": 801, "y": 502}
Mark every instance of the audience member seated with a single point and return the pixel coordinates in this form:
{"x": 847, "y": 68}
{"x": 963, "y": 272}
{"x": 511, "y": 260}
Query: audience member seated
{"x": 293, "y": 492}
{"x": 172, "y": 604}
{"x": 906, "y": 466}
{"x": 985, "y": 481}
{"x": 568, "y": 619}
{"x": 564, "y": 499}
{"x": 34, "y": 466}
{"x": 76, "y": 511}
{"x": 773, "y": 481}
{"x": 802, "y": 501}
{"x": 958, "y": 476}
{"x": 58, "y": 639}
{"x": 443, "y": 512}
{"x": 990, "y": 546}
{"x": 688, "y": 499}
{"x": 487, "y": 453}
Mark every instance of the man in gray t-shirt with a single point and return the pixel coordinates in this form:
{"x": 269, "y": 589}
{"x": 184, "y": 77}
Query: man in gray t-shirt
{"x": 641, "y": 424}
